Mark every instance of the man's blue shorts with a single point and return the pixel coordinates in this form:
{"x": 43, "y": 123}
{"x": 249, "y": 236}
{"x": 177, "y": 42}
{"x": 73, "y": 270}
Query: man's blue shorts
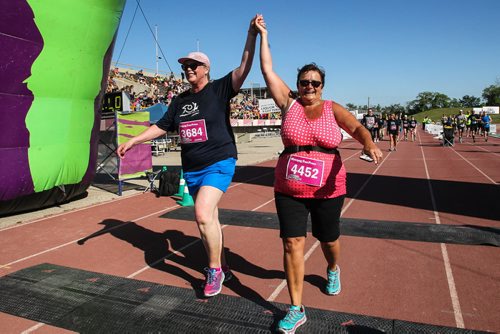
{"x": 219, "y": 175}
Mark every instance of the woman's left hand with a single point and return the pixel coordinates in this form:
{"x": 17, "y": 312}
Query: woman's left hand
{"x": 374, "y": 152}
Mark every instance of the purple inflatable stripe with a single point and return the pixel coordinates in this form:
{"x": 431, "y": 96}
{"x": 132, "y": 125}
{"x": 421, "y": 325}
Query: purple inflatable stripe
{"x": 21, "y": 44}
{"x": 94, "y": 136}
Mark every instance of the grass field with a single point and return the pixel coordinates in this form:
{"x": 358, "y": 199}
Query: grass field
{"x": 436, "y": 114}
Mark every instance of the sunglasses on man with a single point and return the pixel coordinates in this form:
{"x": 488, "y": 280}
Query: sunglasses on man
{"x": 192, "y": 66}
{"x": 314, "y": 83}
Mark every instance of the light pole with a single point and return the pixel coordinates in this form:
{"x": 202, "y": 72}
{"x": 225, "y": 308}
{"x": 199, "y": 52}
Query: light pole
{"x": 156, "y": 44}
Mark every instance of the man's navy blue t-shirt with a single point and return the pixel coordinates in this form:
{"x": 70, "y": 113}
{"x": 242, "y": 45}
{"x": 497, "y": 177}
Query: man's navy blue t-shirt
{"x": 211, "y": 107}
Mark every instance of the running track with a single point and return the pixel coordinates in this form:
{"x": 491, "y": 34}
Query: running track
{"x": 422, "y": 182}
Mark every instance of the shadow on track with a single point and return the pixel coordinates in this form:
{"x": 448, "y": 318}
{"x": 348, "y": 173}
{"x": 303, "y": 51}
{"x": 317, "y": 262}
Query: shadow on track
{"x": 188, "y": 251}
{"x": 450, "y": 196}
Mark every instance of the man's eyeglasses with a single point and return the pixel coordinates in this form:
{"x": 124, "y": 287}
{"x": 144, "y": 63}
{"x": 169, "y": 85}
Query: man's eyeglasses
{"x": 192, "y": 66}
{"x": 314, "y": 83}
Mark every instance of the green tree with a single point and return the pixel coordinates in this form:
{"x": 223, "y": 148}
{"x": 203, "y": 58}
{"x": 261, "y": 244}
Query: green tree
{"x": 423, "y": 102}
{"x": 491, "y": 95}
{"x": 428, "y": 100}
{"x": 455, "y": 103}
{"x": 351, "y": 106}
{"x": 440, "y": 101}
{"x": 470, "y": 101}
{"x": 394, "y": 108}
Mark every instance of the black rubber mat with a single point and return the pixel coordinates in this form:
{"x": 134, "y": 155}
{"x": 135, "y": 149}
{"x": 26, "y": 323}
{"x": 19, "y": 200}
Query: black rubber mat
{"x": 89, "y": 302}
{"x": 452, "y": 234}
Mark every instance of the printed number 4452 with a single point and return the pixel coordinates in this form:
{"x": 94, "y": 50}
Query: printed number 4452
{"x": 305, "y": 171}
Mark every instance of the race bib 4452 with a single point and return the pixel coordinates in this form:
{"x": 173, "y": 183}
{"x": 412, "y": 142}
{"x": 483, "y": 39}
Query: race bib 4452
{"x": 305, "y": 170}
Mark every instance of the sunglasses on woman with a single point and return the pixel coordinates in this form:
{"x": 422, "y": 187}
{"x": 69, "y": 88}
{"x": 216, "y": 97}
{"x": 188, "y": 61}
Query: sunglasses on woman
{"x": 192, "y": 66}
{"x": 314, "y": 83}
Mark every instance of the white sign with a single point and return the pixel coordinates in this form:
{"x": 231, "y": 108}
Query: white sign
{"x": 488, "y": 110}
{"x": 357, "y": 114}
{"x": 267, "y": 106}
{"x": 491, "y": 110}
{"x": 433, "y": 129}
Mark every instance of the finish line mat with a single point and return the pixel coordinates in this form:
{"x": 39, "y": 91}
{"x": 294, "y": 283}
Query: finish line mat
{"x": 451, "y": 234}
{"x": 89, "y": 302}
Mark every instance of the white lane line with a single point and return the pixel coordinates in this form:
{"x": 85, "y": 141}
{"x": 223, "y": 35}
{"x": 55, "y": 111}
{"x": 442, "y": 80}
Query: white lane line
{"x": 264, "y": 204}
{"x": 68, "y": 212}
{"x": 482, "y": 148}
{"x": 33, "y": 328}
{"x": 282, "y": 285}
{"x": 475, "y": 167}
{"x": 459, "y": 320}
{"x": 74, "y": 241}
{"x": 362, "y": 187}
{"x": 143, "y": 269}
{"x": 351, "y": 156}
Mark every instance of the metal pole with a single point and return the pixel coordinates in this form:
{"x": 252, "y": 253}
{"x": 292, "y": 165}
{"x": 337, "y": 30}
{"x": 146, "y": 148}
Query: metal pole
{"x": 156, "y": 43}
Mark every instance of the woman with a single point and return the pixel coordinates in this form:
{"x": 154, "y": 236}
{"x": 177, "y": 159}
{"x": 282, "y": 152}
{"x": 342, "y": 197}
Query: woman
{"x": 393, "y": 131}
{"x": 381, "y": 126}
{"x": 413, "y": 128}
{"x": 208, "y": 147}
{"x": 309, "y": 176}
{"x": 406, "y": 125}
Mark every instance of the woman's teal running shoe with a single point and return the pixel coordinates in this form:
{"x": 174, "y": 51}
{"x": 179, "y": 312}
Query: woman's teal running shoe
{"x": 295, "y": 317}
{"x": 333, "y": 285}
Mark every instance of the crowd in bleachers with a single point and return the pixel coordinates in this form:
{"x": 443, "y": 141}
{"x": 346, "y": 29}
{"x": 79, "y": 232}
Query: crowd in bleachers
{"x": 245, "y": 106}
{"x": 155, "y": 89}
{"x": 162, "y": 89}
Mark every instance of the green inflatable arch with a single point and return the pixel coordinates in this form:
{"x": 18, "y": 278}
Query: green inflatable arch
{"x": 58, "y": 54}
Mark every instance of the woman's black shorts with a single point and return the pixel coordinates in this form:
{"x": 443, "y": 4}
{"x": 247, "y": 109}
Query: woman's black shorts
{"x": 325, "y": 216}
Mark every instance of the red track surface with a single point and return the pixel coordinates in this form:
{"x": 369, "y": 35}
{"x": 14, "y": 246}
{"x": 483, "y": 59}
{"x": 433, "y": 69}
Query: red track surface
{"x": 440, "y": 284}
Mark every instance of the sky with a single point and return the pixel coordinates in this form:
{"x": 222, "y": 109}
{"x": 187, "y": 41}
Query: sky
{"x": 373, "y": 51}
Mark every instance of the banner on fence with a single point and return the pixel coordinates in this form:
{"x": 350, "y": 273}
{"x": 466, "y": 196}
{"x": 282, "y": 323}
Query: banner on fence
{"x": 267, "y": 106}
{"x": 138, "y": 159}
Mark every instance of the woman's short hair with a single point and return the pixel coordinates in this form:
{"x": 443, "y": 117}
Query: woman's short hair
{"x": 311, "y": 67}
